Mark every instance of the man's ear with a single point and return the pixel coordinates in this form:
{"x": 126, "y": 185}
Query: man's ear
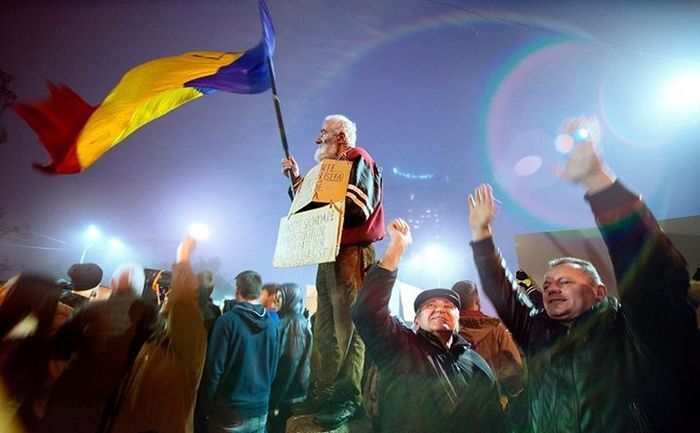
{"x": 600, "y": 291}
{"x": 342, "y": 140}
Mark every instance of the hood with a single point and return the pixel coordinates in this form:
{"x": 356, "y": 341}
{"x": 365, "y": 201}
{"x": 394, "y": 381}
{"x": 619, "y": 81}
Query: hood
{"x": 292, "y": 300}
{"x": 476, "y": 325}
{"x": 255, "y": 316}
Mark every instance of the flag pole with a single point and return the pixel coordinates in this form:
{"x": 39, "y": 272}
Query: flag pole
{"x": 280, "y": 121}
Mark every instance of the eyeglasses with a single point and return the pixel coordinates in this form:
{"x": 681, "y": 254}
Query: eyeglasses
{"x": 323, "y": 133}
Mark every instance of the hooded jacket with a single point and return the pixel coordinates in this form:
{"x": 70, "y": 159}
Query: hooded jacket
{"x": 493, "y": 342}
{"x": 629, "y": 366}
{"x": 241, "y": 363}
{"x": 292, "y": 380}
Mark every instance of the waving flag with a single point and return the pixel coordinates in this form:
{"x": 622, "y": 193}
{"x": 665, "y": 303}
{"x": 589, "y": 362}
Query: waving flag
{"x": 76, "y": 134}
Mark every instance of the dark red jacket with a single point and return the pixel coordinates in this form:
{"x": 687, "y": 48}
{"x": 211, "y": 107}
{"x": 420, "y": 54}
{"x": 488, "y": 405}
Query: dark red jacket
{"x": 364, "y": 214}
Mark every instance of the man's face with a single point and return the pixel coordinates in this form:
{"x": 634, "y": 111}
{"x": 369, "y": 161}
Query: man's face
{"x": 438, "y": 315}
{"x": 327, "y": 144}
{"x": 268, "y": 300}
{"x": 568, "y": 292}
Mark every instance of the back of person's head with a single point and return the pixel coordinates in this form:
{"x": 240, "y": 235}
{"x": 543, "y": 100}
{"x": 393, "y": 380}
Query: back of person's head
{"x": 206, "y": 287}
{"x": 468, "y": 294}
{"x": 584, "y": 265}
{"x": 206, "y": 282}
{"x": 337, "y": 123}
{"x": 248, "y": 285}
{"x": 128, "y": 279}
{"x": 85, "y": 276}
{"x": 291, "y": 299}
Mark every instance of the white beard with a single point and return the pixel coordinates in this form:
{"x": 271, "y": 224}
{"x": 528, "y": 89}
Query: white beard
{"x": 326, "y": 151}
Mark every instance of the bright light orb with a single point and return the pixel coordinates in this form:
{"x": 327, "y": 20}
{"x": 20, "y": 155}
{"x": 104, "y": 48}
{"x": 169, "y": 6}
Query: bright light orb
{"x": 115, "y": 245}
{"x": 199, "y": 231}
{"x": 93, "y": 233}
{"x": 683, "y": 93}
{"x": 581, "y": 134}
{"x": 434, "y": 255}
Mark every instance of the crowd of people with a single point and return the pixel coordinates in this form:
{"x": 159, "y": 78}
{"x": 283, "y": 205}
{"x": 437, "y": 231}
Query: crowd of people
{"x": 150, "y": 358}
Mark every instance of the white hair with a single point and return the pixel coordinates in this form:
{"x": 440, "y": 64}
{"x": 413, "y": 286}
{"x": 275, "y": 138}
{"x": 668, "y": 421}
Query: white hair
{"x": 128, "y": 278}
{"x": 337, "y": 123}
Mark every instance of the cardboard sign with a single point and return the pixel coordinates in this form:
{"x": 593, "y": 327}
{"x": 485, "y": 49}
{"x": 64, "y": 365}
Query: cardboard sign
{"x": 309, "y": 237}
{"x": 327, "y": 182}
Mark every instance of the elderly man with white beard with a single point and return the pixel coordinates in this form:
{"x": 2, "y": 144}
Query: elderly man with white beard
{"x": 336, "y": 376}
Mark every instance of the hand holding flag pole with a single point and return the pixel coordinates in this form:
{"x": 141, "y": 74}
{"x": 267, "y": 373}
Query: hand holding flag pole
{"x": 76, "y": 134}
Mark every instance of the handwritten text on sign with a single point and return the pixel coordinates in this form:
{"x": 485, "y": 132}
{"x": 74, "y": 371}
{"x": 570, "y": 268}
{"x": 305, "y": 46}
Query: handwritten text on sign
{"x": 309, "y": 237}
{"x": 327, "y": 182}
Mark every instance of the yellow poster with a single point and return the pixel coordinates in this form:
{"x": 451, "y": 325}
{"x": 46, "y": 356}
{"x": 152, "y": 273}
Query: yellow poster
{"x": 327, "y": 182}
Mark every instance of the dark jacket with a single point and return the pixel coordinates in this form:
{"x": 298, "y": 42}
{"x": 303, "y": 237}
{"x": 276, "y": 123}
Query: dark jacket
{"x": 292, "y": 380}
{"x": 161, "y": 390}
{"x": 424, "y": 386}
{"x": 241, "y": 362}
{"x": 100, "y": 340}
{"x": 621, "y": 367}
{"x": 210, "y": 311}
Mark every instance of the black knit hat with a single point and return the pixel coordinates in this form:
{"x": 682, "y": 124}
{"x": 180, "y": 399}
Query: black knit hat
{"x": 85, "y": 276}
{"x": 446, "y": 294}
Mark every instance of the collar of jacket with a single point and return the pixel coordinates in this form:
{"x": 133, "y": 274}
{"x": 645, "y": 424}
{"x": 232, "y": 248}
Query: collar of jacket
{"x": 601, "y": 306}
{"x": 459, "y": 344}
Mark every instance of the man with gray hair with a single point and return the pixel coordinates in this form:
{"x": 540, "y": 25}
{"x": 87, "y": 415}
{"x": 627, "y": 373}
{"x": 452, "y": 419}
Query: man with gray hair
{"x": 596, "y": 363}
{"x": 336, "y": 393}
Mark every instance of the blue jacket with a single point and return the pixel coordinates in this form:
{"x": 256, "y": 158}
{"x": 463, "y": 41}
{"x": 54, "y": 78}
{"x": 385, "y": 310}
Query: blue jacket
{"x": 241, "y": 363}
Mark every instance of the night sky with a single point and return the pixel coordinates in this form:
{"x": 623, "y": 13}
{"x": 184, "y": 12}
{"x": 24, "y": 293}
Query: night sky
{"x": 446, "y": 95}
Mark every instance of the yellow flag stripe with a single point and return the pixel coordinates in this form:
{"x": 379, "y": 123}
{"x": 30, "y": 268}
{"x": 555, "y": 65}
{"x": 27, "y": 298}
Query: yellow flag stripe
{"x": 145, "y": 93}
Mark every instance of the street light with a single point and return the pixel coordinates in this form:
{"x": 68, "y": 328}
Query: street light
{"x": 436, "y": 258}
{"x": 115, "y": 245}
{"x": 94, "y": 236}
{"x": 199, "y": 231}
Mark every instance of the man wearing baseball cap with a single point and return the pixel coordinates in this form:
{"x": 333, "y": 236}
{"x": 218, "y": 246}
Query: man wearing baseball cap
{"x": 430, "y": 378}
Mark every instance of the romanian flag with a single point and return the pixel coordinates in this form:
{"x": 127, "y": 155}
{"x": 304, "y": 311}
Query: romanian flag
{"x": 76, "y": 134}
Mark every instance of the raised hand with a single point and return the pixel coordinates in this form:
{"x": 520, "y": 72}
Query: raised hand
{"x": 400, "y": 233}
{"x": 585, "y": 164}
{"x": 482, "y": 211}
{"x": 400, "y": 239}
{"x": 291, "y": 165}
{"x": 185, "y": 249}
